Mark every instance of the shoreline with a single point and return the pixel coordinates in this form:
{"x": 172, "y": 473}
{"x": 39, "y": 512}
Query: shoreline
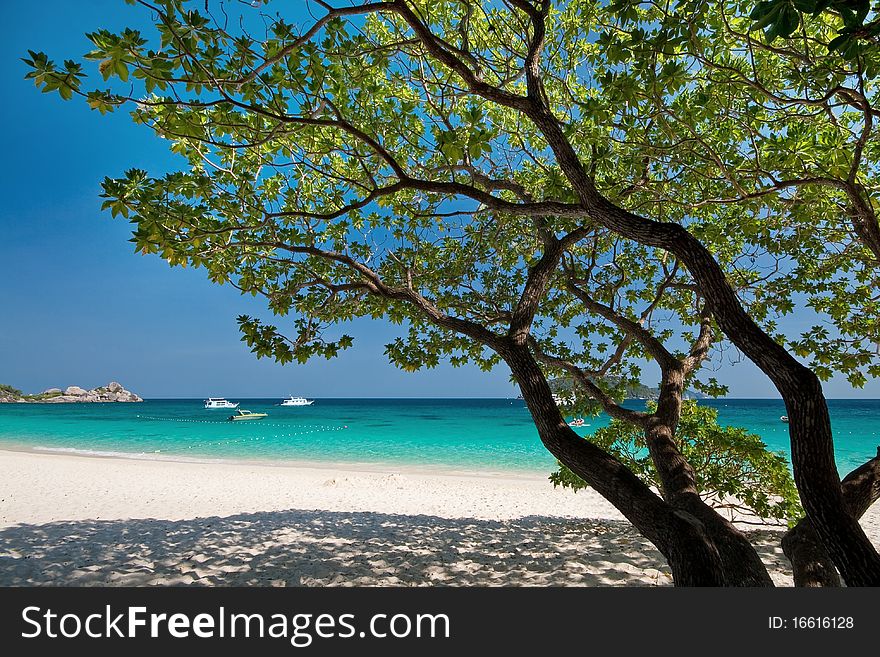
{"x": 69, "y": 519}
{"x": 384, "y": 467}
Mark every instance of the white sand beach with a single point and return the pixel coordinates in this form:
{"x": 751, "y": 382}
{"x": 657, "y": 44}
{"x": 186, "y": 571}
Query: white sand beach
{"x": 78, "y": 520}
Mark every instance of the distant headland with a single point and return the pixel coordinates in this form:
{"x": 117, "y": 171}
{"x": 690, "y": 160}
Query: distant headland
{"x": 112, "y": 392}
{"x": 564, "y": 386}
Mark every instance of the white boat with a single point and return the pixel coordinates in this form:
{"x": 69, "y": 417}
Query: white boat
{"x": 784, "y": 418}
{"x": 218, "y": 402}
{"x": 242, "y": 414}
{"x": 297, "y": 401}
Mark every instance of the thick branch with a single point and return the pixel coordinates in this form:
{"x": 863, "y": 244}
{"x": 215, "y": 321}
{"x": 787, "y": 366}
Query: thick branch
{"x": 533, "y": 291}
{"x": 700, "y": 347}
{"x": 861, "y": 487}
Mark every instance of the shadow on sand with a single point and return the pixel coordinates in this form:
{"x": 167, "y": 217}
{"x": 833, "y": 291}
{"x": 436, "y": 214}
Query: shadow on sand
{"x": 315, "y": 548}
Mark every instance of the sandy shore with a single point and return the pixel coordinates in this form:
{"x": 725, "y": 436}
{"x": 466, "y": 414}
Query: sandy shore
{"x": 75, "y": 520}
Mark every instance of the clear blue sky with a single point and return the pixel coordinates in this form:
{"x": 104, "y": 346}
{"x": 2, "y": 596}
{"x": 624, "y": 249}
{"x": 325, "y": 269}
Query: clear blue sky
{"x": 79, "y": 307}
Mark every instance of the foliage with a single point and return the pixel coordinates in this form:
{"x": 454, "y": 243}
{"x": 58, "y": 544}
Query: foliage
{"x": 9, "y": 390}
{"x": 858, "y": 28}
{"x": 296, "y": 206}
{"x": 40, "y": 396}
{"x": 768, "y": 152}
{"x": 733, "y": 468}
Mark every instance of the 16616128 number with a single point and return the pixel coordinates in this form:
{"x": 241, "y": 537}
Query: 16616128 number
{"x": 811, "y": 623}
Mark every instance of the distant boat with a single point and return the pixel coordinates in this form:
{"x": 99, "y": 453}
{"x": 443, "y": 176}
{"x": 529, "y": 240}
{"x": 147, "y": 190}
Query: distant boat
{"x": 218, "y": 402}
{"x": 297, "y": 401}
{"x": 784, "y": 418}
{"x": 578, "y": 422}
{"x": 242, "y": 414}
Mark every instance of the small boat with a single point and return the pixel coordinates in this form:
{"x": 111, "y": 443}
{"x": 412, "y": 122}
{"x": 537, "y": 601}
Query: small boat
{"x": 578, "y": 422}
{"x": 218, "y": 402}
{"x": 784, "y": 418}
{"x": 297, "y": 401}
{"x": 242, "y": 414}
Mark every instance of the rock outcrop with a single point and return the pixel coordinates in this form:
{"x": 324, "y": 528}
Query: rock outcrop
{"x": 112, "y": 392}
{"x": 7, "y": 397}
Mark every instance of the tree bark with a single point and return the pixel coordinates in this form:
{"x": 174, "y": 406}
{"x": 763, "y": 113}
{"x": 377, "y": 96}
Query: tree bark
{"x": 864, "y": 220}
{"x": 677, "y": 477}
{"x": 689, "y": 541}
{"x": 811, "y": 564}
{"x": 740, "y": 562}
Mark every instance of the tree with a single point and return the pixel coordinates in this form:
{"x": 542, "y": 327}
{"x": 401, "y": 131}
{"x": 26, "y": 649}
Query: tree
{"x": 785, "y": 131}
{"x": 425, "y": 162}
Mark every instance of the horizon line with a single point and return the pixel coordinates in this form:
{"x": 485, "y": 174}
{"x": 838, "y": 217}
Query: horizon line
{"x": 506, "y": 398}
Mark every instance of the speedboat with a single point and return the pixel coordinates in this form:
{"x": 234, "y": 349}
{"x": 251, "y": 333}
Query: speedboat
{"x": 578, "y": 422}
{"x": 242, "y": 414}
{"x": 218, "y": 402}
{"x": 297, "y": 401}
{"x": 784, "y": 418}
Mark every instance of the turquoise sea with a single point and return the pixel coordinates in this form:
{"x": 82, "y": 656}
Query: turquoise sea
{"x": 455, "y": 434}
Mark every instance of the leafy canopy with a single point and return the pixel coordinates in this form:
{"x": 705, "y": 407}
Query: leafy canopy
{"x": 858, "y": 26}
{"x": 768, "y": 153}
{"x": 353, "y": 139}
{"x": 344, "y": 174}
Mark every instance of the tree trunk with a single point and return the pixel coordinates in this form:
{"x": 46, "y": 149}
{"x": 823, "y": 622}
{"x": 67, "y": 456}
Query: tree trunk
{"x": 740, "y": 562}
{"x": 689, "y": 544}
{"x": 739, "y": 559}
{"x": 810, "y": 561}
{"x": 812, "y": 443}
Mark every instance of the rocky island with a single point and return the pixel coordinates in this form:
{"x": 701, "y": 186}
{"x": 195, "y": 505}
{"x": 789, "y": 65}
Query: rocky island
{"x": 112, "y": 392}
{"x": 564, "y": 387}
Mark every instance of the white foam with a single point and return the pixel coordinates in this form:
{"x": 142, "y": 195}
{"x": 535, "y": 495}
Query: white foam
{"x": 147, "y": 456}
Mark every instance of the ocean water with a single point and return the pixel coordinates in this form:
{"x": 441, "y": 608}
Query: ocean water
{"x": 454, "y": 434}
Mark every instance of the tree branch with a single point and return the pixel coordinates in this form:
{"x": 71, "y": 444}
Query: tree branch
{"x": 610, "y": 406}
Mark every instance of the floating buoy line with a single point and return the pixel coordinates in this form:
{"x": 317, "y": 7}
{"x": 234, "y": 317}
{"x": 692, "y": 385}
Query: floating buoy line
{"x": 316, "y": 429}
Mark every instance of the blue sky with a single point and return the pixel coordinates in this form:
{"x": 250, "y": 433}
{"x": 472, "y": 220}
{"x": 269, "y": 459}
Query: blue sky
{"x": 79, "y": 307}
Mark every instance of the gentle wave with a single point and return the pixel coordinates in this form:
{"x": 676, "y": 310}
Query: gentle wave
{"x": 148, "y": 456}
{"x": 368, "y": 466}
